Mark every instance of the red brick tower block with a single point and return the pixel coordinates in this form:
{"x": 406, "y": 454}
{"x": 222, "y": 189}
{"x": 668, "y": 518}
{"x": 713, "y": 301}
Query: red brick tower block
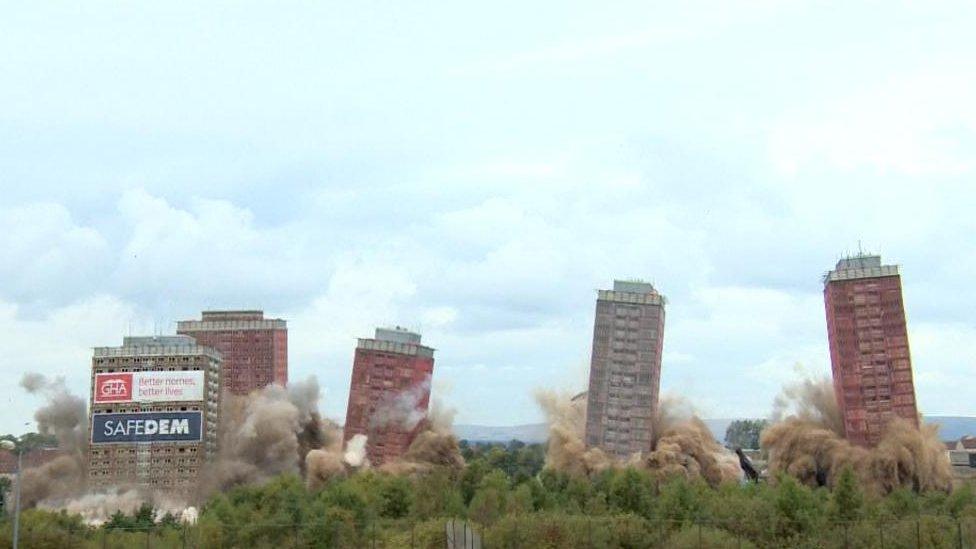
{"x": 389, "y": 393}
{"x": 254, "y": 348}
{"x": 869, "y": 355}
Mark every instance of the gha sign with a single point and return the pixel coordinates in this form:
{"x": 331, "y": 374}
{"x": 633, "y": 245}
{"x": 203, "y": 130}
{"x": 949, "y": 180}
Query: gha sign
{"x": 159, "y": 386}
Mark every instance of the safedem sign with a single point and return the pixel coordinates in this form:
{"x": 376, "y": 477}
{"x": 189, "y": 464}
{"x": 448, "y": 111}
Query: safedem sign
{"x": 161, "y": 386}
{"x": 145, "y": 427}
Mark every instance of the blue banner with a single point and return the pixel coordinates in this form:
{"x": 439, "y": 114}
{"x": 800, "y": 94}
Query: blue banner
{"x": 142, "y": 427}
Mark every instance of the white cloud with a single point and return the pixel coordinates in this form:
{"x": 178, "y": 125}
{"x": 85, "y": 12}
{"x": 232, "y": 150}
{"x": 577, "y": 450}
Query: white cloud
{"x": 663, "y": 141}
{"x": 57, "y": 344}
{"x": 46, "y": 256}
{"x": 438, "y": 317}
{"x": 361, "y": 294}
{"x": 745, "y": 343}
{"x": 210, "y": 254}
{"x": 944, "y": 359}
{"x": 918, "y": 124}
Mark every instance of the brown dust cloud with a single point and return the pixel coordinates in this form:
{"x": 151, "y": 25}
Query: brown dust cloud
{"x": 270, "y": 432}
{"x": 276, "y": 431}
{"x": 806, "y": 441}
{"x": 681, "y": 444}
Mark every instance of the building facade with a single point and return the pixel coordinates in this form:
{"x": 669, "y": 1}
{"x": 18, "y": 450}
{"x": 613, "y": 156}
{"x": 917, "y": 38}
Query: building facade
{"x": 254, "y": 348}
{"x": 625, "y": 368}
{"x": 869, "y": 354}
{"x": 155, "y": 413}
{"x": 389, "y": 393}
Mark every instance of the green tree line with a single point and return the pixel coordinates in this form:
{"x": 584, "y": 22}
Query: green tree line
{"x": 510, "y": 500}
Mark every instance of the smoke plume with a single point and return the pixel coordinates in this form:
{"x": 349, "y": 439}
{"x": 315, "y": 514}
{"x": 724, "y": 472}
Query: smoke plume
{"x": 807, "y": 442}
{"x": 269, "y": 432}
{"x": 64, "y": 416}
{"x": 321, "y": 466}
{"x": 403, "y": 410}
{"x": 355, "y": 454}
{"x": 435, "y": 446}
{"x": 684, "y": 445}
{"x": 681, "y": 443}
{"x": 61, "y": 482}
{"x": 566, "y": 450}
{"x": 325, "y": 464}
{"x": 98, "y": 507}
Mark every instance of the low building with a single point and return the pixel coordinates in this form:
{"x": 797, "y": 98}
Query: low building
{"x": 966, "y": 444}
{"x": 32, "y": 458}
{"x": 962, "y": 458}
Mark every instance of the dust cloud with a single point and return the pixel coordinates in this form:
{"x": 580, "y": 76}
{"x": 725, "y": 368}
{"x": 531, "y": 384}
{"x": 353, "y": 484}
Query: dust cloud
{"x": 435, "y": 446}
{"x": 806, "y": 441}
{"x": 566, "y": 450}
{"x": 403, "y": 410}
{"x": 64, "y": 416}
{"x": 97, "y": 508}
{"x": 62, "y": 482}
{"x": 681, "y": 443}
{"x": 684, "y": 445}
{"x": 269, "y": 432}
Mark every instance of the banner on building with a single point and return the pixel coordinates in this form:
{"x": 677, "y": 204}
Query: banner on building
{"x": 143, "y": 427}
{"x": 149, "y": 386}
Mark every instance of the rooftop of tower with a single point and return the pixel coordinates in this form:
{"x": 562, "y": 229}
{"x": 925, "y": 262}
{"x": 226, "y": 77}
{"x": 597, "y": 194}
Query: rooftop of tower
{"x": 167, "y": 345}
{"x": 398, "y": 334}
{"x": 632, "y": 291}
{"x": 396, "y": 340}
{"x": 860, "y": 265}
{"x": 231, "y": 320}
{"x": 634, "y": 286}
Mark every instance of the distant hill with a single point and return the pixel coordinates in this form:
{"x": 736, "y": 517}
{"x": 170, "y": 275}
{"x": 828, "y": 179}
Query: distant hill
{"x": 530, "y": 433}
{"x": 950, "y": 428}
{"x": 953, "y": 427}
{"x": 538, "y": 432}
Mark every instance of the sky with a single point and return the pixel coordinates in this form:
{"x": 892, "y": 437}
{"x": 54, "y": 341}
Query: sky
{"x": 476, "y": 172}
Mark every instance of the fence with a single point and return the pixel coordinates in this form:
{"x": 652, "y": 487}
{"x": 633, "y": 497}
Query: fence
{"x": 527, "y": 531}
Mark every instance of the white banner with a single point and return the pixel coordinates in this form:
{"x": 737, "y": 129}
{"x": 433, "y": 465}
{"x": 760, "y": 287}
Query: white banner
{"x": 149, "y": 386}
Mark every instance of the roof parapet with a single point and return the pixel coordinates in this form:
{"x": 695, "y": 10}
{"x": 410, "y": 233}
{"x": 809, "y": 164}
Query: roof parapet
{"x": 860, "y": 266}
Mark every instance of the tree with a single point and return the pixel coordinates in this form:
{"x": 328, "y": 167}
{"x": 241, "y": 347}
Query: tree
{"x": 520, "y": 502}
{"x": 744, "y": 433}
{"x": 396, "y": 495}
{"x": 486, "y": 506}
{"x": 846, "y": 500}
{"x": 467, "y": 452}
{"x": 144, "y": 517}
{"x": 680, "y": 500}
{"x": 491, "y": 499}
{"x": 529, "y": 460}
{"x": 796, "y": 507}
{"x": 630, "y": 492}
{"x": 168, "y": 520}
{"x": 31, "y": 441}
{"x": 118, "y": 521}
{"x": 436, "y": 495}
{"x": 5, "y": 484}
{"x": 961, "y": 500}
{"x": 342, "y": 495}
{"x": 471, "y": 477}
